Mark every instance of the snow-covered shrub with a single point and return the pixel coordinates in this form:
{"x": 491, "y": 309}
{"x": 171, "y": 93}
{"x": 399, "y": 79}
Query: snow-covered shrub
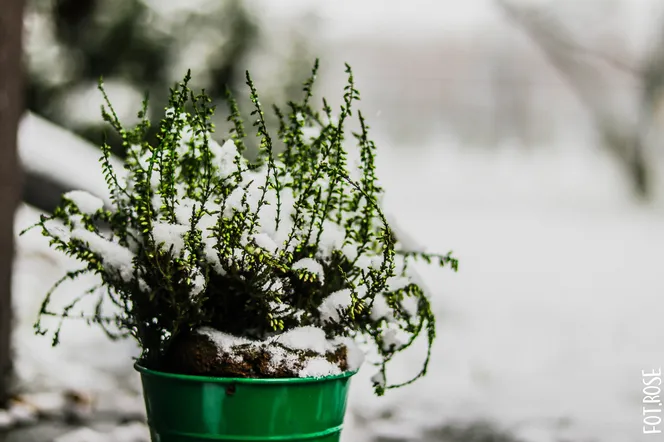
{"x": 281, "y": 263}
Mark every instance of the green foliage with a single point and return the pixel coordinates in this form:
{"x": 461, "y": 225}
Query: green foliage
{"x": 199, "y": 236}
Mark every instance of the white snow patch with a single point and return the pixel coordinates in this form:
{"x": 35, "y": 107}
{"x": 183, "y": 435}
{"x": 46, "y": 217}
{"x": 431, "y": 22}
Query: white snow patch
{"x": 223, "y": 341}
{"x": 84, "y": 434}
{"x": 22, "y": 413}
{"x": 86, "y": 360}
{"x": 183, "y": 210}
{"x": 330, "y": 307}
{"x": 355, "y": 356}
{"x": 395, "y": 283}
{"x": 51, "y": 151}
{"x": 81, "y": 106}
{"x": 6, "y": 420}
{"x": 198, "y": 284}
{"x": 285, "y": 203}
{"x": 365, "y": 262}
{"x": 300, "y": 339}
{"x": 77, "y": 220}
{"x": 225, "y": 157}
{"x": 206, "y": 223}
{"x": 349, "y": 251}
{"x": 170, "y": 235}
{"x": 379, "y": 379}
{"x": 410, "y": 304}
{"x": 134, "y": 432}
{"x": 310, "y": 265}
{"x": 116, "y": 256}
{"x": 380, "y": 309}
{"x": 278, "y": 309}
{"x": 46, "y": 402}
{"x": 85, "y": 201}
{"x": 393, "y": 338}
{"x": 305, "y": 338}
{"x": 265, "y": 242}
{"x": 233, "y": 202}
{"x": 331, "y": 238}
{"x": 275, "y": 285}
{"x": 280, "y": 358}
{"x": 18, "y": 413}
{"x": 318, "y": 367}
{"x": 56, "y": 228}
{"x": 310, "y": 132}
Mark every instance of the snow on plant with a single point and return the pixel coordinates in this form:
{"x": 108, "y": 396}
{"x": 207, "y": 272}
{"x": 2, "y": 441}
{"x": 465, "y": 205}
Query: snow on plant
{"x": 285, "y": 252}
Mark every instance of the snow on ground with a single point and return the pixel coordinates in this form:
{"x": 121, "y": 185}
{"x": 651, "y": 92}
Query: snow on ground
{"x": 555, "y": 311}
{"x": 87, "y": 360}
{"x": 86, "y": 363}
{"x": 557, "y": 306}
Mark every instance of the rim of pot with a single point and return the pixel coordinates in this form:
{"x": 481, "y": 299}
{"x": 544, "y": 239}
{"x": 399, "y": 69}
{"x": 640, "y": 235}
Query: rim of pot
{"x": 214, "y": 379}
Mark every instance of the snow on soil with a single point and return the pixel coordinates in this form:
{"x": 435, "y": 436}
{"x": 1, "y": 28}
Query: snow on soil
{"x": 555, "y": 311}
{"x": 299, "y": 339}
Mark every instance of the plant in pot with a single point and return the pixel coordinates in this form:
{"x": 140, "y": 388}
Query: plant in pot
{"x": 254, "y": 287}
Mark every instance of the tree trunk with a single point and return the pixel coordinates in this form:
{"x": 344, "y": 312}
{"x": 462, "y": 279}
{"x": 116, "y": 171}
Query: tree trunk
{"x": 11, "y": 107}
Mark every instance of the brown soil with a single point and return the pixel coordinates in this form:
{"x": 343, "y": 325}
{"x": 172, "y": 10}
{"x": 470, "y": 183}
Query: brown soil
{"x": 196, "y": 354}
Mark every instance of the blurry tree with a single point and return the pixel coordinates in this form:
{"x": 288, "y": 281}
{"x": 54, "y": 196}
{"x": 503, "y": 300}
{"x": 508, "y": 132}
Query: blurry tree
{"x": 138, "y": 46}
{"x": 581, "y": 67}
{"x": 11, "y": 12}
{"x": 141, "y": 46}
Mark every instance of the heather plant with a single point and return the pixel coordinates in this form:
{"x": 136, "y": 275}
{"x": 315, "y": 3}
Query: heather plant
{"x": 288, "y": 253}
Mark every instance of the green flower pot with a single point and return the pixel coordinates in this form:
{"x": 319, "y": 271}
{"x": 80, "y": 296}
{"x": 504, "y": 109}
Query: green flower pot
{"x": 183, "y": 408}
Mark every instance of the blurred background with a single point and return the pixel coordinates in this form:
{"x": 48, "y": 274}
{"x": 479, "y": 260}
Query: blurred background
{"x": 525, "y": 135}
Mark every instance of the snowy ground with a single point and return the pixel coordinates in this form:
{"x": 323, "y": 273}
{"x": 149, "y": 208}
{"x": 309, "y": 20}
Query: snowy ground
{"x": 545, "y": 330}
{"x": 557, "y": 306}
